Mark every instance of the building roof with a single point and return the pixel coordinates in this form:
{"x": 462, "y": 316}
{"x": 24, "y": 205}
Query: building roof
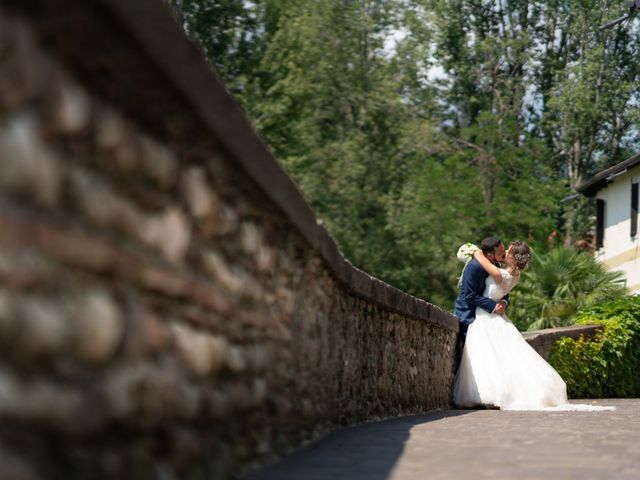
{"x": 601, "y": 179}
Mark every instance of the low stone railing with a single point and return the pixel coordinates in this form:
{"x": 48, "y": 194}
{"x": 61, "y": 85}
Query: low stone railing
{"x": 544, "y": 340}
{"x": 169, "y": 306}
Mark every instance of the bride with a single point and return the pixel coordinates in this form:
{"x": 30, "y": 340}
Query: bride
{"x": 499, "y": 368}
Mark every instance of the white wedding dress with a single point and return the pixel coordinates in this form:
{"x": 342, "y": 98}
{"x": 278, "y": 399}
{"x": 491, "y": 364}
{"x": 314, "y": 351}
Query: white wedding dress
{"x": 499, "y": 368}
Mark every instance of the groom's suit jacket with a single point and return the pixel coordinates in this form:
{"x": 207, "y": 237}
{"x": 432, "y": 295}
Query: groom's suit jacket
{"x": 470, "y": 296}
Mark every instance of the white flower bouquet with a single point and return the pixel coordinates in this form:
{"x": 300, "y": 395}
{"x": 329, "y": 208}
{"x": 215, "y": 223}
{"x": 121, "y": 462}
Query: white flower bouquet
{"x": 466, "y": 251}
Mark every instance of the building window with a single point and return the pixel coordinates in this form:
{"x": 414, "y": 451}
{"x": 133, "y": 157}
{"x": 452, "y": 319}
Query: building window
{"x": 634, "y": 209}
{"x": 600, "y": 206}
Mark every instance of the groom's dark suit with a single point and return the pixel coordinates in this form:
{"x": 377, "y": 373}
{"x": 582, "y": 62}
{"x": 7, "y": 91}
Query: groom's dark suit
{"x": 470, "y": 296}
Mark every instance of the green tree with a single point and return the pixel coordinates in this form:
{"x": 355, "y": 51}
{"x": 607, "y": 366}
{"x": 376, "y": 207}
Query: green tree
{"x": 334, "y": 114}
{"x": 413, "y": 126}
{"x": 548, "y": 68}
{"x": 234, "y": 35}
{"x": 431, "y": 216}
{"x": 590, "y": 109}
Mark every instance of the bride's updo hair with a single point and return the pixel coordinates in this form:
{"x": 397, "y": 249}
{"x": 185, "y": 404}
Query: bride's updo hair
{"x": 521, "y": 253}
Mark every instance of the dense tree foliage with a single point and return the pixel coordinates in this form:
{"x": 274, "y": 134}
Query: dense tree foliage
{"x": 412, "y": 126}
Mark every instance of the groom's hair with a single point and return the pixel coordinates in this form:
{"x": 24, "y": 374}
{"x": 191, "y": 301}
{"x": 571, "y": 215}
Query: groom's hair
{"x": 489, "y": 245}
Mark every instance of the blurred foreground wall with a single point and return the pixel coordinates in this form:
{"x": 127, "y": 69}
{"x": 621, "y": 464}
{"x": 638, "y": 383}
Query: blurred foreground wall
{"x": 169, "y": 307}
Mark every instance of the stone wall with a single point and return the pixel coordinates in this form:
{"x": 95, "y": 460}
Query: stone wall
{"x": 543, "y": 340}
{"x": 169, "y": 307}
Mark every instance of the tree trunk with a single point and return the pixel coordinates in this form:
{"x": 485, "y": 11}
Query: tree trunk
{"x": 574, "y": 172}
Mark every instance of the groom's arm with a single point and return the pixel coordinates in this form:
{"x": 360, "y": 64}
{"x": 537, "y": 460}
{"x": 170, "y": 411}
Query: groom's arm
{"x": 475, "y": 300}
{"x": 474, "y": 283}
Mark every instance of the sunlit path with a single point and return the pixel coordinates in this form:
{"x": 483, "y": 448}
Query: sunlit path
{"x": 457, "y": 444}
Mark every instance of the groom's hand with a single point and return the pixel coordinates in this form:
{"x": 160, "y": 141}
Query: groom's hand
{"x": 500, "y": 308}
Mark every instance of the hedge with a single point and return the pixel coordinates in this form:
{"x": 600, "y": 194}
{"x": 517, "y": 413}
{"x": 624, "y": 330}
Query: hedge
{"x": 606, "y": 365}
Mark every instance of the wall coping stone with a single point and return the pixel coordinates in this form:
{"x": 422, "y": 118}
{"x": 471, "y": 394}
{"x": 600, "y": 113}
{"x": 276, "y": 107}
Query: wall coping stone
{"x": 573, "y": 331}
{"x": 191, "y": 83}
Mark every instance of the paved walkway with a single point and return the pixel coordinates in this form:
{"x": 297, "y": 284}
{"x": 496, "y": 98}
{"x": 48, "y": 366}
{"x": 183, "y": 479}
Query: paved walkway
{"x": 476, "y": 444}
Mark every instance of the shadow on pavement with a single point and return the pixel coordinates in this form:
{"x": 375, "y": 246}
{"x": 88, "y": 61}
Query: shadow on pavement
{"x": 368, "y": 451}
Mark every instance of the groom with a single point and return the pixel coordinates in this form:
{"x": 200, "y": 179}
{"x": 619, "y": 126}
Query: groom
{"x": 472, "y": 288}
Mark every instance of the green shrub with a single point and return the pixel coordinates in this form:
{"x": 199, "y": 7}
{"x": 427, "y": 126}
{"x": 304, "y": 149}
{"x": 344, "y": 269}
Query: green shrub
{"x": 607, "y": 364}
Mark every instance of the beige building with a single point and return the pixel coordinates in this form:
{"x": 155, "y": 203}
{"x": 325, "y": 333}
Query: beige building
{"x": 617, "y": 239}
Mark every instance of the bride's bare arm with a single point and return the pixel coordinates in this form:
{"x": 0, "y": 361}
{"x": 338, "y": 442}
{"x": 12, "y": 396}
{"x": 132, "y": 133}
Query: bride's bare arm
{"x": 489, "y": 267}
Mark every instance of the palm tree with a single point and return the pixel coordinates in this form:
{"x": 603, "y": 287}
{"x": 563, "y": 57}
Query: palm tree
{"x": 558, "y": 285}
